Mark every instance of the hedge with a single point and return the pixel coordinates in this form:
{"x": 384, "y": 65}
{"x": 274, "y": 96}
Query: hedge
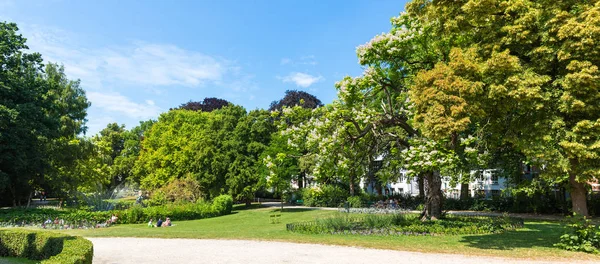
{"x": 48, "y": 247}
{"x": 221, "y": 205}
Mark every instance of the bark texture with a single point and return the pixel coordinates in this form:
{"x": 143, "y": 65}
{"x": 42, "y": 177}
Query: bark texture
{"x": 433, "y": 201}
{"x": 578, "y": 196}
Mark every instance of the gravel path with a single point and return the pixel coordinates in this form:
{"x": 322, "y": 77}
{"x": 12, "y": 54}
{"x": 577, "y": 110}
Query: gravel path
{"x": 150, "y": 250}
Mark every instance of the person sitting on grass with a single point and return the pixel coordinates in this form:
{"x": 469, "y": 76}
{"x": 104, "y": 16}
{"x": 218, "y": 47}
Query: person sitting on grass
{"x": 159, "y": 222}
{"x": 113, "y": 219}
{"x": 167, "y": 222}
{"x": 150, "y": 223}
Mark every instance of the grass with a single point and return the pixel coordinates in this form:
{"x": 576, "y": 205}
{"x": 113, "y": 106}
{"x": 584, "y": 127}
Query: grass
{"x": 534, "y": 241}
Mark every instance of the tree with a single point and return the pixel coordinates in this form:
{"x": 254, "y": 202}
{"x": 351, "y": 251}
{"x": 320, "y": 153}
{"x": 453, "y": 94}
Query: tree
{"x": 39, "y": 113}
{"x": 209, "y": 104}
{"x": 296, "y": 98}
{"x": 252, "y": 136}
{"x": 132, "y": 146}
{"x": 185, "y": 142}
{"x": 521, "y": 73}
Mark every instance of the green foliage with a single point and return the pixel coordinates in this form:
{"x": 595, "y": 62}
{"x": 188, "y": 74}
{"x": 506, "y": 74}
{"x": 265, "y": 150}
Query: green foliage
{"x": 538, "y": 204}
{"x": 582, "y": 236}
{"x": 406, "y": 224}
{"x": 223, "y": 204}
{"x": 325, "y": 196}
{"x": 219, "y": 149}
{"x": 41, "y": 114}
{"x": 136, "y": 214}
{"x": 49, "y": 247}
{"x": 183, "y": 189}
{"x": 355, "y": 202}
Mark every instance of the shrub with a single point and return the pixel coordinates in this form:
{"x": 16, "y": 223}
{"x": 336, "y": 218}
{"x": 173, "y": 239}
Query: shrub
{"x": 134, "y": 215}
{"x": 158, "y": 198}
{"x": 582, "y": 236}
{"x": 49, "y": 247}
{"x": 355, "y": 202}
{"x": 325, "y": 196}
{"x": 222, "y": 204}
{"x": 183, "y": 189}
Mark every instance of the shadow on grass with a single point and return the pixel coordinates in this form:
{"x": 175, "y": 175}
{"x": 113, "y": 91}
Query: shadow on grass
{"x": 535, "y": 235}
{"x": 243, "y": 207}
{"x": 294, "y": 210}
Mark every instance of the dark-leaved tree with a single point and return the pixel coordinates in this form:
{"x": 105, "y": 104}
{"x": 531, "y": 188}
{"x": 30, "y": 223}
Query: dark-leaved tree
{"x": 294, "y": 98}
{"x": 209, "y": 104}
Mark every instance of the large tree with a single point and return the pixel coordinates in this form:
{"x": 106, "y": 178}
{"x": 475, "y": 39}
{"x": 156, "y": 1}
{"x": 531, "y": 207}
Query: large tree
{"x": 523, "y": 73}
{"x": 207, "y": 105}
{"x": 39, "y": 114}
{"x": 196, "y": 143}
{"x": 296, "y": 98}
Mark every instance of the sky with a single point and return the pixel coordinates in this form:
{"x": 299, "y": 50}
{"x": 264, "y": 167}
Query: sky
{"x": 137, "y": 59}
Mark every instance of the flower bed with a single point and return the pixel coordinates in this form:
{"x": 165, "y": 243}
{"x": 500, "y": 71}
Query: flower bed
{"x": 48, "y": 247}
{"x": 406, "y": 224}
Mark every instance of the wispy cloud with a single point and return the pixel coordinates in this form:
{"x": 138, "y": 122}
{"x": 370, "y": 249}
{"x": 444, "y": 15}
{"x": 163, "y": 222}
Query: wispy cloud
{"x": 148, "y": 69}
{"x": 134, "y": 63}
{"x": 117, "y": 103}
{"x": 301, "y": 79}
{"x": 304, "y": 60}
{"x": 285, "y": 61}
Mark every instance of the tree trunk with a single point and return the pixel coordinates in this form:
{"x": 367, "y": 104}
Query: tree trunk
{"x": 421, "y": 182}
{"x": 301, "y": 180}
{"x": 433, "y": 202}
{"x": 29, "y": 199}
{"x": 351, "y": 184}
{"x": 578, "y": 196}
{"x": 464, "y": 191}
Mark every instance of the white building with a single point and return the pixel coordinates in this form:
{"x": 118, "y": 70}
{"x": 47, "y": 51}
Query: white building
{"x": 485, "y": 183}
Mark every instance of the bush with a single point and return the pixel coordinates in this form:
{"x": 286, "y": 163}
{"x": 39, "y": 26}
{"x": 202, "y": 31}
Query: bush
{"x": 45, "y": 246}
{"x": 355, "y": 202}
{"x": 325, "y": 196}
{"x": 223, "y": 204}
{"x": 582, "y": 236}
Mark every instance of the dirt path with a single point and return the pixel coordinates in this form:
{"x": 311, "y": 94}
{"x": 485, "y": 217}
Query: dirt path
{"x": 150, "y": 250}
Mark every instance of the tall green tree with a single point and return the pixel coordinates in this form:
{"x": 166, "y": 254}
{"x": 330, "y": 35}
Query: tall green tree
{"x": 40, "y": 112}
{"x": 252, "y": 136}
{"x": 185, "y": 142}
{"x": 523, "y": 73}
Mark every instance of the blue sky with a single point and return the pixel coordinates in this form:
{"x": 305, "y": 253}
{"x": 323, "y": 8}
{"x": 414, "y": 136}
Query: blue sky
{"x": 137, "y": 59}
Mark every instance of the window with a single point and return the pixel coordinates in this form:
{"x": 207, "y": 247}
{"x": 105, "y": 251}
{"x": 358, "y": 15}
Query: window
{"x": 495, "y": 193}
{"x": 494, "y": 177}
{"x": 401, "y": 190}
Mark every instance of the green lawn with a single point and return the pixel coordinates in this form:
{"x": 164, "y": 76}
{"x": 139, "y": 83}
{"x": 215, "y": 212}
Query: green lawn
{"x": 532, "y": 242}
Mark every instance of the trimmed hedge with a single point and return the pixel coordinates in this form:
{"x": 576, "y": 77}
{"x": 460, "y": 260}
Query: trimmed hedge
{"x": 48, "y": 247}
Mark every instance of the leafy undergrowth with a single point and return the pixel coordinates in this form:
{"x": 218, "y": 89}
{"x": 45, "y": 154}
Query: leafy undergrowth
{"x": 406, "y": 224}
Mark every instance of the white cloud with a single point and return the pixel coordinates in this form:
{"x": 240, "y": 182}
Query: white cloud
{"x": 308, "y": 60}
{"x": 117, "y": 103}
{"x": 145, "y": 70}
{"x": 304, "y": 60}
{"x": 285, "y": 61}
{"x": 301, "y": 79}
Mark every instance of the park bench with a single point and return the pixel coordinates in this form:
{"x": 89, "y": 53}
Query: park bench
{"x": 275, "y": 218}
